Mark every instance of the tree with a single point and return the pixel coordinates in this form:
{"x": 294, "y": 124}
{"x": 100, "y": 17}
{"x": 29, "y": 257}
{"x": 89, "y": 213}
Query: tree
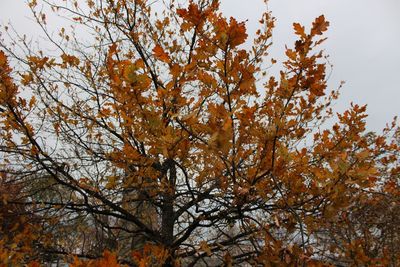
{"x": 163, "y": 139}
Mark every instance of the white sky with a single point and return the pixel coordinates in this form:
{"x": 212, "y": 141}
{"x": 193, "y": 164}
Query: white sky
{"x": 363, "y": 44}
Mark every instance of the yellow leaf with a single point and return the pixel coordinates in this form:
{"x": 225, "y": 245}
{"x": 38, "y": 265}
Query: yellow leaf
{"x": 204, "y": 247}
{"x": 112, "y": 182}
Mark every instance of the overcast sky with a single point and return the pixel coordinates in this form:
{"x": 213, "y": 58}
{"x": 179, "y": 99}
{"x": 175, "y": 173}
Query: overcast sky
{"x": 363, "y": 44}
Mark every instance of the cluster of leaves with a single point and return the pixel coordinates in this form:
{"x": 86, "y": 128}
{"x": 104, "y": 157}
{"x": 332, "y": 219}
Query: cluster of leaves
{"x": 162, "y": 139}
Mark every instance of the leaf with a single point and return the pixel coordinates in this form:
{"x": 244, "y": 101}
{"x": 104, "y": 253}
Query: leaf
{"x": 204, "y": 247}
{"x": 111, "y": 182}
{"x": 320, "y": 25}
{"x": 33, "y": 264}
{"x": 363, "y": 155}
{"x": 299, "y": 30}
{"x": 3, "y": 58}
{"x": 70, "y": 60}
{"x": 159, "y": 53}
{"x": 109, "y": 260}
{"x": 38, "y": 62}
{"x": 237, "y": 32}
{"x": 32, "y": 102}
{"x": 192, "y": 14}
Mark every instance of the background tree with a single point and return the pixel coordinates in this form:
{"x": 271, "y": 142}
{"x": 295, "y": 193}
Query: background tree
{"x": 162, "y": 139}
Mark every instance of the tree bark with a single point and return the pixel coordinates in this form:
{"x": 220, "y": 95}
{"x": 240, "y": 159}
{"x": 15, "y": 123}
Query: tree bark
{"x": 168, "y": 214}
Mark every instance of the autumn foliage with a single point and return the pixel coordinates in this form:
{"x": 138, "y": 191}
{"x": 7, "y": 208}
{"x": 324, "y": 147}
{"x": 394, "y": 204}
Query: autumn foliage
{"x": 144, "y": 138}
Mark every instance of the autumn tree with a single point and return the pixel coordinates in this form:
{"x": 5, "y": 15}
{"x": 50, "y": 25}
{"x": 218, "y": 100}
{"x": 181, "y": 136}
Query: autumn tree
{"x": 163, "y": 138}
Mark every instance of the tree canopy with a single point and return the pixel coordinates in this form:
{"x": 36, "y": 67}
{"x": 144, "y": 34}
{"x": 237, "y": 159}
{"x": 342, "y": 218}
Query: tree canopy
{"x": 145, "y": 138}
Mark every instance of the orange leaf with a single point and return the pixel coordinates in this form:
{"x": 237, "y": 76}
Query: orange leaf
{"x": 161, "y": 54}
{"x": 237, "y": 32}
{"x": 3, "y": 58}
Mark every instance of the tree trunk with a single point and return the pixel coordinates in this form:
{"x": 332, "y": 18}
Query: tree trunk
{"x": 168, "y": 214}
